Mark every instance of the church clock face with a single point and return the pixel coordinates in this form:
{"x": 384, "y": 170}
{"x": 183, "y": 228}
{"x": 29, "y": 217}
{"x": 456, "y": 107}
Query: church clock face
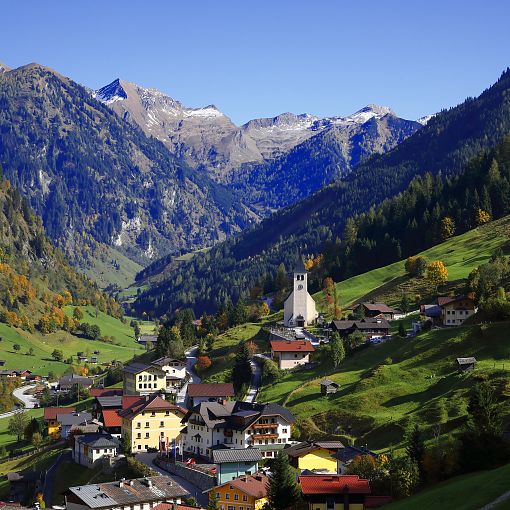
{"x": 299, "y": 287}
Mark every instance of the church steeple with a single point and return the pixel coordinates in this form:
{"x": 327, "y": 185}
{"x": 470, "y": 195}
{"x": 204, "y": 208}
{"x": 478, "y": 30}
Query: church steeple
{"x": 300, "y": 267}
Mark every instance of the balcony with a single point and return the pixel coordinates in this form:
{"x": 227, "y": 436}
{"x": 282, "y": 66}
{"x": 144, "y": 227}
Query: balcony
{"x": 192, "y": 421}
{"x": 256, "y": 437}
{"x": 258, "y": 426}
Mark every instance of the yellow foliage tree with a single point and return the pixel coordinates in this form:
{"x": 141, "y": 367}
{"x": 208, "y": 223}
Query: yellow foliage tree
{"x": 437, "y": 274}
{"x": 482, "y": 217}
{"x": 447, "y": 227}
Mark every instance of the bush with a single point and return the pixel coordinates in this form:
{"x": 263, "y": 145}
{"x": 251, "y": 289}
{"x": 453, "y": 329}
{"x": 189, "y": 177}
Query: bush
{"x": 270, "y": 372}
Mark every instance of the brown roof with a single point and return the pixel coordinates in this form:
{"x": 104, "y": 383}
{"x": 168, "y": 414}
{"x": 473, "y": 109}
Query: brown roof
{"x": 291, "y": 346}
{"x": 173, "y": 506}
{"x": 152, "y": 403}
{"x": 446, "y": 300}
{"x": 333, "y": 484}
{"x": 105, "y": 392}
{"x": 253, "y": 485}
{"x": 50, "y": 413}
{"x": 211, "y": 390}
{"x": 378, "y": 307}
{"x": 366, "y": 323}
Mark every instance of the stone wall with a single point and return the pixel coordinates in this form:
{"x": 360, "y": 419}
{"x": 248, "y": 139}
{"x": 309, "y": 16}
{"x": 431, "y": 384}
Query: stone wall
{"x": 202, "y": 480}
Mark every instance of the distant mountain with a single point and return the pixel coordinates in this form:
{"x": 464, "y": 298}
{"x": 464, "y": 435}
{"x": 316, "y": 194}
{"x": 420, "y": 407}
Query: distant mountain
{"x": 445, "y": 145}
{"x": 206, "y": 138}
{"x": 96, "y": 179}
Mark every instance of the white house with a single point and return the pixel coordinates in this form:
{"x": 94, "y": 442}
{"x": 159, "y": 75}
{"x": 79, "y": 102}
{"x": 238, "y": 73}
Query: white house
{"x": 291, "y": 353}
{"x": 175, "y": 370}
{"x": 237, "y": 424}
{"x": 89, "y": 449}
{"x": 299, "y": 308}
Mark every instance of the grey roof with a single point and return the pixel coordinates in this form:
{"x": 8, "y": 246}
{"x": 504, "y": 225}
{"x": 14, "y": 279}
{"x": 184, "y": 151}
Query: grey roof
{"x": 166, "y": 360}
{"x": 112, "y": 401}
{"x": 97, "y": 440}
{"x": 129, "y": 492}
{"x": 367, "y": 323}
{"x": 349, "y": 453}
{"x": 148, "y": 338}
{"x": 329, "y": 382}
{"x": 466, "y": 361}
{"x": 223, "y": 455}
{"x": 71, "y": 380}
{"x": 432, "y": 310}
{"x": 74, "y": 418}
{"x": 300, "y": 266}
{"x": 310, "y": 446}
{"x": 135, "y": 368}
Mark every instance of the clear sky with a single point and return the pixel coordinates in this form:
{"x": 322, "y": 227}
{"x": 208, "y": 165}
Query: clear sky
{"x": 260, "y": 58}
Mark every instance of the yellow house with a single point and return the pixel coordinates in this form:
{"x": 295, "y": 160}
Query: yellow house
{"x": 150, "y": 421}
{"x": 142, "y": 379}
{"x": 244, "y": 493}
{"x": 314, "y": 456}
{"x": 51, "y": 421}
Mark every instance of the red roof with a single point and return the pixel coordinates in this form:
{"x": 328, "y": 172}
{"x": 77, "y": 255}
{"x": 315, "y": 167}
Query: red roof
{"x": 129, "y": 400}
{"x": 211, "y": 390}
{"x": 333, "y": 484}
{"x": 291, "y": 346}
{"x": 172, "y": 506}
{"x": 50, "y": 413}
{"x": 111, "y": 418}
{"x": 105, "y": 392}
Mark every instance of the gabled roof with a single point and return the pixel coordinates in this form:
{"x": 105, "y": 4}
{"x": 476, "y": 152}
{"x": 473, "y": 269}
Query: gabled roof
{"x": 349, "y": 453}
{"x": 292, "y": 346}
{"x": 50, "y": 413}
{"x": 466, "y": 361}
{"x": 97, "y": 440}
{"x": 329, "y": 382}
{"x": 223, "y": 455}
{"x": 105, "y": 392}
{"x": 129, "y": 400}
{"x": 305, "y": 447}
{"x": 366, "y": 323}
{"x": 111, "y": 418}
{"x": 74, "y": 419}
{"x": 150, "y": 403}
{"x": 252, "y": 485}
{"x": 211, "y": 390}
{"x": 136, "y": 367}
{"x": 447, "y": 300}
{"x": 165, "y": 361}
{"x": 71, "y": 380}
{"x": 377, "y": 307}
{"x": 333, "y": 484}
{"x": 115, "y": 401}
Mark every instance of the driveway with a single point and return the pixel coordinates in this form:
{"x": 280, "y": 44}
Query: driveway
{"x": 191, "y": 359}
{"x": 195, "y": 491}
{"x": 49, "y": 479}
{"x": 256, "y": 380}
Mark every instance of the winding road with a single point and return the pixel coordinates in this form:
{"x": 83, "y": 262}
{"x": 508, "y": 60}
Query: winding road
{"x": 29, "y": 401}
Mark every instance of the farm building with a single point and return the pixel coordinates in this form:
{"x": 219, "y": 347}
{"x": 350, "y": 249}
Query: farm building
{"x": 328, "y": 387}
{"x": 465, "y": 364}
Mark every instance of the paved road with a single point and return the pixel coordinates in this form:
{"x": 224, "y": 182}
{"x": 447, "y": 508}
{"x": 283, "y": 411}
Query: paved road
{"x": 195, "y": 491}
{"x": 28, "y": 400}
{"x": 256, "y": 380}
{"x": 191, "y": 359}
{"x": 49, "y": 481}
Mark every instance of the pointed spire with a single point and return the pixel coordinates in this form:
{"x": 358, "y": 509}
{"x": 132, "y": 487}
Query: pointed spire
{"x": 300, "y": 266}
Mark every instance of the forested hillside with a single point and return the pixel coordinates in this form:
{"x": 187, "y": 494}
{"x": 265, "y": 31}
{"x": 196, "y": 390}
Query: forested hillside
{"x": 451, "y": 141}
{"x": 95, "y": 178}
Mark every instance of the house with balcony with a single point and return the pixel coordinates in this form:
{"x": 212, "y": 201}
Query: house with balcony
{"x": 236, "y": 424}
{"x": 175, "y": 370}
{"x": 208, "y": 392}
{"x": 371, "y": 327}
{"x": 150, "y": 422}
{"x": 142, "y": 379}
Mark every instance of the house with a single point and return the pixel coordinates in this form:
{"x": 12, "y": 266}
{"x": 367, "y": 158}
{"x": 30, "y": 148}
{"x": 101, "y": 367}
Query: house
{"x": 150, "y": 421}
{"x": 148, "y": 339}
{"x": 2, "y": 362}
{"x": 50, "y": 419}
{"x": 335, "y": 492}
{"x": 209, "y": 392}
{"x": 23, "y": 485}
{"x": 329, "y": 387}
{"x": 466, "y": 364}
{"x": 73, "y": 421}
{"x": 175, "y": 370}
{"x": 345, "y": 456}
{"x": 90, "y": 449}
{"x": 112, "y": 422}
{"x": 236, "y": 424}
{"x": 234, "y": 462}
{"x": 22, "y": 374}
{"x": 291, "y": 353}
{"x": 102, "y": 403}
{"x": 314, "y": 455}
{"x": 370, "y": 327}
{"x": 142, "y": 379}
{"x": 299, "y": 307}
{"x": 249, "y": 492}
{"x": 381, "y": 310}
{"x": 450, "y": 311}
{"x": 140, "y": 493}
{"x": 67, "y": 382}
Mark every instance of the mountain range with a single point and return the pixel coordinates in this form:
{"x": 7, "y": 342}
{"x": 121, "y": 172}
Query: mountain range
{"x": 130, "y": 168}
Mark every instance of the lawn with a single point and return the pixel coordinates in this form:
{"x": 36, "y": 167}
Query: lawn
{"x": 467, "y": 492}
{"x": 386, "y": 388}
{"x": 461, "y": 254}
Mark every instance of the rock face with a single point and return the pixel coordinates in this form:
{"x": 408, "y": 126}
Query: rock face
{"x": 207, "y": 138}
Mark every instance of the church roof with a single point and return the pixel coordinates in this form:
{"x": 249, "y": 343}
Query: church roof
{"x": 300, "y": 266}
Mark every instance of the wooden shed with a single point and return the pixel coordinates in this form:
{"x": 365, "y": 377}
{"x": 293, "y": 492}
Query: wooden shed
{"x": 466, "y": 364}
{"x": 328, "y": 387}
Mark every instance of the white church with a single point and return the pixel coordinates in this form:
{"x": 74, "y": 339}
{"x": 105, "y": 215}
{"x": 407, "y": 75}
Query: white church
{"x": 299, "y": 307}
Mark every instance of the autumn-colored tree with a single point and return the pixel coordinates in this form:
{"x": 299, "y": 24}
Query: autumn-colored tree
{"x": 482, "y": 216}
{"x": 416, "y": 266}
{"x": 83, "y": 371}
{"x": 68, "y": 298}
{"x": 57, "y": 315}
{"x": 58, "y": 300}
{"x": 331, "y": 297}
{"x": 252, "y": 347}
{"x": 12, "y": 319}
{"x": 447, "y": 228}
{"x": 255, "y": 292}
{"x": 45, "y": 325}
{"x": 203, "y": 362}
{"x": 263, "y": 310}
{"x": 437, "y": 274}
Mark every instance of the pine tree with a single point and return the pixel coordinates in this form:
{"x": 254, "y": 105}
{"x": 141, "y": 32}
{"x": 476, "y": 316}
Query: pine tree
{"x": 241, "y": 373}
{"x": 416, "y": 447}
{"x": 282, "y": 491}
{"x": 402, "y": 330}
{"x": 337, "y": 349}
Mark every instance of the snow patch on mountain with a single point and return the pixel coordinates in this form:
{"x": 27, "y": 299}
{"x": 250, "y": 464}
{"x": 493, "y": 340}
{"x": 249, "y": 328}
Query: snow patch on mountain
{"x": 425, "y": 120}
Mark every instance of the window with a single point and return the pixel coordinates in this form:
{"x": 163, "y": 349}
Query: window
{"x": 162, "y": 434}
{"x": 147, "y": 435}
{"x": 139, "y": 377}
{"x": 284, "y": 431}
{"x": 138, "y": 425}
{"x": 167, "y": 413}
{"x": 138, "y": 436}
{"x": 153, "y": 413}
{"x": 146, "y": 424}
{"x": 217, "y": 495}
{"x": 227, "y": 496}
{"x": 161, "y": 423}
{"x": 231, "y": 507}
{"x": 139, "y": 446}
{"x": 245, "y": 497}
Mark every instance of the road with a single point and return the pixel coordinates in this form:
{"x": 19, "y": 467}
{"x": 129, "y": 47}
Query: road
{"x": 49, "y": 480}
{"x": 191, "y": 359}
{"x": 256, "y": 380}
{"x": 28, "y": 400}
{"x": 195, "y": 491}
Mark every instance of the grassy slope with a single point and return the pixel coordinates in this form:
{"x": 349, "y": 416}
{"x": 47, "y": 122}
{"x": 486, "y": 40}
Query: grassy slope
{"x": 43, "y": 345}
{"x": 378, "y": 401}
{"x": 467, "y": 492}
{"x": 461, "y": 254}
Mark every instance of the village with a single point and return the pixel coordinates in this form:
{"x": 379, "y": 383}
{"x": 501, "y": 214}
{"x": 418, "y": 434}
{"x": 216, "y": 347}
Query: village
{"x": 201, "y": 446}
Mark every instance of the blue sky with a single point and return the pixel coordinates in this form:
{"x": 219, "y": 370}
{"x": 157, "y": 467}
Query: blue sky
{"x": 260, "y": 58}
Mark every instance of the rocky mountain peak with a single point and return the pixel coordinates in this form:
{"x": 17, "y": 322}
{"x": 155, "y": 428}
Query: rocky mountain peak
{"x": 112, "y": 92}
{"x": 4, "y": 68}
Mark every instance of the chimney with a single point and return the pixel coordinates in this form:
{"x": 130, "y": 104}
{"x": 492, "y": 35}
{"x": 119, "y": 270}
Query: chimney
{"x": 163, "y": 396}
{"x": 131, "y": 483}
{"x": 121, "y": 482}
{"x": 147, "y": 398}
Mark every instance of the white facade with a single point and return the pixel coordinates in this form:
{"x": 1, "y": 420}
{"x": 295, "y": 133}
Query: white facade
{"x": 299, "y": 307}
{"x": 288, "y": 360}
{"x": 90, "y": 455}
